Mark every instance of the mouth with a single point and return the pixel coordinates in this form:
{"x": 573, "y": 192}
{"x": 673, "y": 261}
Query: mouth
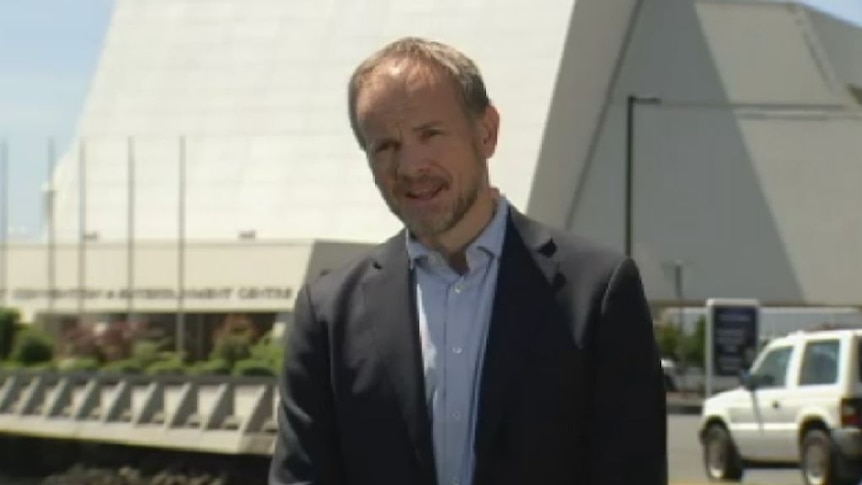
{"x": 424, "y": 193}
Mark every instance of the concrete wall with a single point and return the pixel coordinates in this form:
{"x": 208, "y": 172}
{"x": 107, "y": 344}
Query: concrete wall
{"x": 724, "y": 165}
{"x": 219, "y": 277}
{"x": 751, "y": 94}
{"x": 259, "y": 90}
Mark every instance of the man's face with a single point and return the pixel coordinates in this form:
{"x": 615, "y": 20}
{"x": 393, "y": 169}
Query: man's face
{"x": 427, "y": 155}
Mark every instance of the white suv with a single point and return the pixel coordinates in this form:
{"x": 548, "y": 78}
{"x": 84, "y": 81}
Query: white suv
{"x": 800, "y": 405}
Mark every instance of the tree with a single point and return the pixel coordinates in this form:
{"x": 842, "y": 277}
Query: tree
{"x": 668, "y": 338}
{"x": 694, "y": 344}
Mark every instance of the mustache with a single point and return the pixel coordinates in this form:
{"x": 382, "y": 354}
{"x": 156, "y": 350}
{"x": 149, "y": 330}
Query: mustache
{"x": 406, "y": 183}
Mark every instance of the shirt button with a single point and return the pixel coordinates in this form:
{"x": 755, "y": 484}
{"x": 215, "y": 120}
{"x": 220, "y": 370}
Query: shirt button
{"x": 457, "y": 350}
{"x": 458, "y": 288}
{"x": 456, "y": 416}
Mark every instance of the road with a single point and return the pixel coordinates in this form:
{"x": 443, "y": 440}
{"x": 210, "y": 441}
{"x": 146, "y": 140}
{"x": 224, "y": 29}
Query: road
{"x": 686, "y": 466}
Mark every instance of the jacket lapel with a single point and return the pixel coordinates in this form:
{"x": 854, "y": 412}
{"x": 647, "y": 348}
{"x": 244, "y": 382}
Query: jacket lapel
{"x": 391, "y": 310}
{"x": 527, "y": 280}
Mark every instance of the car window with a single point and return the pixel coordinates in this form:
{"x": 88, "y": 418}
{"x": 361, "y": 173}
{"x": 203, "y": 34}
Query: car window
{"x": 859, "y": 358}
{"x": 772, "y": 369}
{"x": 820, "y": 363}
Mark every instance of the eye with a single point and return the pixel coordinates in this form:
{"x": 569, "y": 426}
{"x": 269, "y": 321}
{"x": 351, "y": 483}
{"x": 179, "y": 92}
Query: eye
{"x": 384, "y": 146}
{"x": 430, "y": 133}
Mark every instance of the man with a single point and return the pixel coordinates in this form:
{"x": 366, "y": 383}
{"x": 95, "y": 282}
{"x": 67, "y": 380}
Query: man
{"x": 477, "y": 346}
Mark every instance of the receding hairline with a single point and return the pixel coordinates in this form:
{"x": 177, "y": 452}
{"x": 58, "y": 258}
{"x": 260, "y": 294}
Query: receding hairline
{"x": 405, "y": 70}
{"x": 417, "y": 55}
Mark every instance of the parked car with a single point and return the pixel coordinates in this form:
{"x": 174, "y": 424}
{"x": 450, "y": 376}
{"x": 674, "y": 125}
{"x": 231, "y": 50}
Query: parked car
{"x": 668, "y": 367}
{"x": 800, "y": 405}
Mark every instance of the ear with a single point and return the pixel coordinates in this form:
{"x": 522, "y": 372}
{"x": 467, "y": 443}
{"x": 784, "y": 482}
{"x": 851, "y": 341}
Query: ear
{"x": 488, "y": 126}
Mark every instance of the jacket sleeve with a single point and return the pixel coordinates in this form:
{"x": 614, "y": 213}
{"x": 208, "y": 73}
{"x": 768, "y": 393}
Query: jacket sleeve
{"x": 306, "y": 450}
{"x": 629, "y": 411}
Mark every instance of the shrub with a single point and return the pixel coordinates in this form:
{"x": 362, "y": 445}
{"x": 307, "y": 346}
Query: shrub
{"x": 173, "y": 366}
{"x": 9, "y": 319}
{"x": 118, "y": 339}
{"x": 32, "y": 347}
{"x": 253, "y": 367}
{"x": 79, "y": 342}
{"x": 211, "y": 368}
{"x": 127, "y": 366}
{"x": 232, "y": 348}
{"x": 78, "y": 364}
{"x": 270, "y": 351}
{"x": 101, "y": 341}
{"x": 147, "y": 353}
{"x": 42, "y": 366}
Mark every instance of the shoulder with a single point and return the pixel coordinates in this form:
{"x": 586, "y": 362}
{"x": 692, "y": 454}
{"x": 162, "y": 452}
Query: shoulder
{"x": 573, "y": 252}
{"x": 572, "y": 247}
{"x": 343, "y": 279}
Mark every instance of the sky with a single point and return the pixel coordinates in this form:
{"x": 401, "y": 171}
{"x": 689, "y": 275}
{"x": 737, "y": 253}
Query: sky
{"x": 49, "y": 50}
{"x": 48, "y": 53}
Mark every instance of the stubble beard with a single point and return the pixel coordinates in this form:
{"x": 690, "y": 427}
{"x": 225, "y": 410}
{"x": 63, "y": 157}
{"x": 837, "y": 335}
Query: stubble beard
{"x": 439, "y": 222}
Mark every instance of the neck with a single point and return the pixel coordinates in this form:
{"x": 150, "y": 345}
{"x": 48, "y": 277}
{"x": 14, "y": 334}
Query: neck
{"x": 453, "y": 243}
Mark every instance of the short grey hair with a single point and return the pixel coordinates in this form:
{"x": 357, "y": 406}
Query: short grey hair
{"x": 427, "y": 53}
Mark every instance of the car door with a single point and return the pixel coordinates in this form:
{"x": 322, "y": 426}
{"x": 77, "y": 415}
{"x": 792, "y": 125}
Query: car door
{"x": 753, "y": 417}
{"x": 815, "y": 387}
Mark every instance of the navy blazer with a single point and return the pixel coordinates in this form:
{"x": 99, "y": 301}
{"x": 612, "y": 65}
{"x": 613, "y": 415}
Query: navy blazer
{"x": 571, "y": 391}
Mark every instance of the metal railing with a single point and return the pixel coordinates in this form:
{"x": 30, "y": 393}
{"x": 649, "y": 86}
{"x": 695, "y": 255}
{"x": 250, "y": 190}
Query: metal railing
{"x": 215, "y": 414}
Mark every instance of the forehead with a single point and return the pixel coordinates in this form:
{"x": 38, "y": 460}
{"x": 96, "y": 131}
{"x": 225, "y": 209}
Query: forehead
{"x": 399, "y": 89}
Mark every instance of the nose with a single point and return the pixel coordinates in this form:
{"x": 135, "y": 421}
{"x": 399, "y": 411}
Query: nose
{"x": 412, "y": 159}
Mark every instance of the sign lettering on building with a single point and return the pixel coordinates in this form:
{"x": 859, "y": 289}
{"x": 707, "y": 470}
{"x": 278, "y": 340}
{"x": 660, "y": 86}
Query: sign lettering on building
{"x": 203, "y": 293}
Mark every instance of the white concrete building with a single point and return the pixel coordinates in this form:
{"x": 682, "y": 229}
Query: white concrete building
{"x": 746, "y": 172}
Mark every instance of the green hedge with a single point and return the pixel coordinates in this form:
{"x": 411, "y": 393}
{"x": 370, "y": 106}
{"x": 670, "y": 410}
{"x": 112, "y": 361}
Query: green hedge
{"x": 10, "y": 319}
{"x": 32, "y": 347}
{"x": 253, "y": 367}
{"x": 211, "y": 368}
{"x": 171, "y": 367}
{"x": 28, "y": 347}
{"x": 127, "y": 366}
{"x": 79, "y": 364}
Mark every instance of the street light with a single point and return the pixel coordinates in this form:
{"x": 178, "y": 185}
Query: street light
{"x": 631, "y": 102}
{"x": 4, "y": 217}
{"x": 49, "y": 195}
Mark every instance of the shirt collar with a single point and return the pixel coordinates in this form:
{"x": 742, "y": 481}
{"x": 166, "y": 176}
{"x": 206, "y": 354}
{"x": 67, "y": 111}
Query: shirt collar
{"x": 490, "y": 240}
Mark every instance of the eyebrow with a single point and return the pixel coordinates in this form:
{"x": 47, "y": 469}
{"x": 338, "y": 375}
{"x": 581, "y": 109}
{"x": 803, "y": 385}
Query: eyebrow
{"x": 427, "y": 125}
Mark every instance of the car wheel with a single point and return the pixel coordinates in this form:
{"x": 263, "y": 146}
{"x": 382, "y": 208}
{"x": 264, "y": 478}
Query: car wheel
{"x": 818, "y": 461}
{"x": 720, "y": 457}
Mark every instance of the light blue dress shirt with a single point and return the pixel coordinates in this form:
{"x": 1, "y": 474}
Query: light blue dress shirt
{"x": 454, "y": 313}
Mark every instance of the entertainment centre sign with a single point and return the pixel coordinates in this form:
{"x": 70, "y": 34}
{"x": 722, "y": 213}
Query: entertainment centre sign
{"x": 239, "y": 293}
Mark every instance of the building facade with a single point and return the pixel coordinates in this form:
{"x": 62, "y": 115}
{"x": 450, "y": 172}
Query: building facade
{"x": 214, "y": 170}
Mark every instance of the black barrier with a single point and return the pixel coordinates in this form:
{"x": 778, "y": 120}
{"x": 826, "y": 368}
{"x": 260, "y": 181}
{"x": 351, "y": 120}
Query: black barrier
{"x": 733, "y": 329}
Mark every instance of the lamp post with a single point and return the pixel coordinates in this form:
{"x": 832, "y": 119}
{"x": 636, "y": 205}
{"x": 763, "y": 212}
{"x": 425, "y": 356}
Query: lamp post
{"x": 130, "y": 230}
{"x": 181, "y": 251}
{"x": 678, "y": 266}
{"x": 4, "y": 219}
{"x": 631, "y": 103}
